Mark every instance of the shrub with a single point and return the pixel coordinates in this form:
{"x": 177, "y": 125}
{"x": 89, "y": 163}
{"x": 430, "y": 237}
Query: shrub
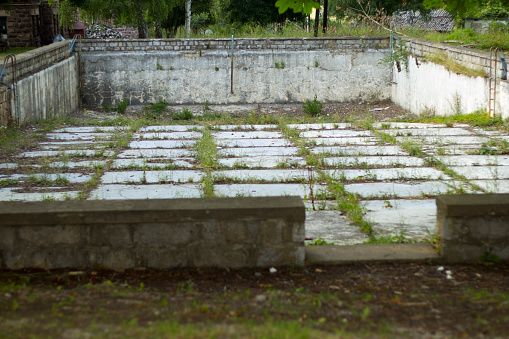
{"x": 312, "y": 108}
{"x": 184, "y": 115}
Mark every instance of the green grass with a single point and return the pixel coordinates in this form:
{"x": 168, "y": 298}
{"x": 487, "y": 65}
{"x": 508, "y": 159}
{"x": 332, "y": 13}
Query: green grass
{"x": 453, "y": 66}
{"x": 206, "y": 149}
{"x": 15, "y": 51}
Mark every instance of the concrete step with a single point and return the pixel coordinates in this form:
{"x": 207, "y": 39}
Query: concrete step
{"x": 371, "y": 253}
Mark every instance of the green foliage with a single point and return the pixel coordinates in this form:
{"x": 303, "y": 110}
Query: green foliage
{"x": 312, "y": 108}
{"x": 320, "y": 242}
{"x": 256, "y": 11}
{"x": 458, "y": 7}
{"x": 122, "y": 106}
{"x": 297, "y": 6}
{"x": 186, "y": 114}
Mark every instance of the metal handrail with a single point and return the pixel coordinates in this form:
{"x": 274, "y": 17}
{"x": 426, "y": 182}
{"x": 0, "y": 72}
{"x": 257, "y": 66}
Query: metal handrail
{"x": 71, "y": 46}
{"x": 14, "y": 64}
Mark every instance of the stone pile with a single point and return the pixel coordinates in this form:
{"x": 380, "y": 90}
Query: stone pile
{"x": 100, "y": 31}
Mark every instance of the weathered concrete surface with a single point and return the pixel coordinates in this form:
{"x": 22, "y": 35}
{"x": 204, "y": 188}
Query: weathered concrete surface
{"x": 152, "y": 233}
{"x": 260, "y": 76}
{"x": 355, "y": 254}
{"x": 428, "y": 86}
{"x": 473, "y": 226}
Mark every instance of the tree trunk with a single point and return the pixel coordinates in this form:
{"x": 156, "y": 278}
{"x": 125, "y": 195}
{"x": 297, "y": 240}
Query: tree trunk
{"x": 317, "y": 19}
{"x": 188, "y": 18}
{"x": 324, "y": 22}
{"x": 158, "y": 29}
{"x": 142, "y": 25}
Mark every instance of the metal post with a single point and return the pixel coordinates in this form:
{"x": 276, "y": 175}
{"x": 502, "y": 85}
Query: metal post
{"x": 233, "y": 49}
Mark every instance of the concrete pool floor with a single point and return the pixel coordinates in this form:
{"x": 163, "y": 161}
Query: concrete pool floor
{"x": 396, "y": 188}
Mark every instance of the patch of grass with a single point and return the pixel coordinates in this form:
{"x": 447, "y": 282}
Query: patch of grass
{"x": 16, "y": 51}
{"x": 493, "y": 147}
{"x": 312, "y": 108}
{"x": 413, "y": 148}
{"x": 186, "y": 114}
{"x": 122, "y": 106}
{"x": 206, "y": 149}
{"x": 454, "y": 66}
{"x": 320, "y": 242}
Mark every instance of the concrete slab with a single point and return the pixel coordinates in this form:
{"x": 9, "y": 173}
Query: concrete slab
{"x": 11, "y": 194}
{"x": 74, "y": 178}
{"x": 493, "y": 186}
{"x": 401, "y": 190}
{"x": 148, "y": 163}
{"x": 91, "y": 129}
{"x": 156, "y": 153}
{"x": 406, "y": 125}
{"x": 247, "y": 135}
{"x": 335, "y": 134}
{"x": 356, "y": 254}
{"x": 163, "y": 191}
{"x": 167, "y": 135}
{"x": 475, "y": 160}
{"x": 445, "y": 140}
{"x": 429, "y": 132}
{"x": 78, "y": 164}
{"x": 269, "y": 175}
{"x": 257, "y": 151}
{"x": 324, "y": 126}
{"x": 70, "y": 153}
{"x": 151, "y": 177}
{"x": 146, "y": 144}
{"x": 450, "y": 149}
{"x": 371, "y": 161}
{"x": 345, "y": 141}
{"x": 483, "y": 172}
{"x": 264, "y": 190}
{"x": 358, "y": 150}
{"x": 78, "y": 136}
{"x": 72, "y": 144}
{"x": 377, "y": 174}
{"x": 253, "y": 143}
{"x": 414, "y": 219}
{"x": 245, "y": 127}
{"x": 332, "y": 227}
{"x": 272, "y": 161}
{"x": 170, "y": 128}
{"x": 9, "y": 166}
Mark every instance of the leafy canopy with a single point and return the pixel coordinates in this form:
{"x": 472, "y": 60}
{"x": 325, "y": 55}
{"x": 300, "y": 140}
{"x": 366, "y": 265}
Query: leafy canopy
{"x": 298, "y": 6}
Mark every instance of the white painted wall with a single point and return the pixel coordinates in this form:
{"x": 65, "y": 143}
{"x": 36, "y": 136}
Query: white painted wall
{"x": 431, "y": 86}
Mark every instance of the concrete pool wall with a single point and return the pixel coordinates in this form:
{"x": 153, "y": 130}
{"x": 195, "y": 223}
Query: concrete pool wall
{"x": 49, "y": 82}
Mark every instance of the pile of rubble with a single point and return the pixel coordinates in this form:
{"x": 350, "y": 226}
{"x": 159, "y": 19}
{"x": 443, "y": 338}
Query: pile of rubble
{"x": 100, "y": 31}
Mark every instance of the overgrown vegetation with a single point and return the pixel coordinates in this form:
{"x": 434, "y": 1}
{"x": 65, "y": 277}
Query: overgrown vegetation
{"x": 454, "y": 66}
{"x": 312, "y": 108}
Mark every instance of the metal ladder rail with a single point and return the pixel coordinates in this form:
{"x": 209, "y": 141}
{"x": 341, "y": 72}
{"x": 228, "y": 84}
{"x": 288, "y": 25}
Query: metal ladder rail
{"x": 14, "y": 65}
{"x": 492, "y": 81}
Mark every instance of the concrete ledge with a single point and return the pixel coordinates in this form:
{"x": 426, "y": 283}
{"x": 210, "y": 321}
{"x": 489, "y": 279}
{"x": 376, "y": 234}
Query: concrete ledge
{"x": 472, "y": 225}
{"x": 224, "y": 232}
{"x": 371, "y": 253}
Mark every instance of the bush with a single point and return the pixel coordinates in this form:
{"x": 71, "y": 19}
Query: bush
{"x": 121, "y": 107}
{"x": 312, "y": 108}
{"x": 184, "y": 115}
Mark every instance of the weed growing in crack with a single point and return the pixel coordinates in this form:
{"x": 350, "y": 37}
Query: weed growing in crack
{"x": 413, "y": 148}
{"x": 206, "y": 149}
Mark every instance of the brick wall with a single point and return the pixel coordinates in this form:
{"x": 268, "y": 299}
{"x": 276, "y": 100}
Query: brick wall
{"x": 219, "y": 232}
{"x": 24, "y": 24}
{"x": 289, "y": 44}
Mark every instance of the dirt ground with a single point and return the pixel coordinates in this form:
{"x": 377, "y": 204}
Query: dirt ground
{"x": 382, "y": 300}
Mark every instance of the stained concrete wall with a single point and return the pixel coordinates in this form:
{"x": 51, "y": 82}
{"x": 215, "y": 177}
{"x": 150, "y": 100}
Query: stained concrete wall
{"x": 428, "y": 86}
{"x": 223, "y": 232}
{"x": 51, "y": 92}
{"x": 41, "y": 84}
{"x": 264, "y": 71}
{"x": 473, "y": 225}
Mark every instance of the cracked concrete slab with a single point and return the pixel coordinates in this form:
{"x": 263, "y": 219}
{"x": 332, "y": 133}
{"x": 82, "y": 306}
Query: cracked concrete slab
{"x": 359, "y": 150}
{"x": 272, "y": 161}
{"x": 254, "y": 143}
{"x": 370, "y": 161}
{"x": 147, "y": 144}
{"x": 269, "y": 175}
{"x": 150, "y": 177}
{"x": 400, "y": 190}
{"x": 161, "y": 191}
{"x": 156, "y": 153}
{"x": 257, "y": 151}
{"x": 152, "y": 163}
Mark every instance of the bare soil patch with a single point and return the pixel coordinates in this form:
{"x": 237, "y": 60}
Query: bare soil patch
{"x": 382, "y": 300}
